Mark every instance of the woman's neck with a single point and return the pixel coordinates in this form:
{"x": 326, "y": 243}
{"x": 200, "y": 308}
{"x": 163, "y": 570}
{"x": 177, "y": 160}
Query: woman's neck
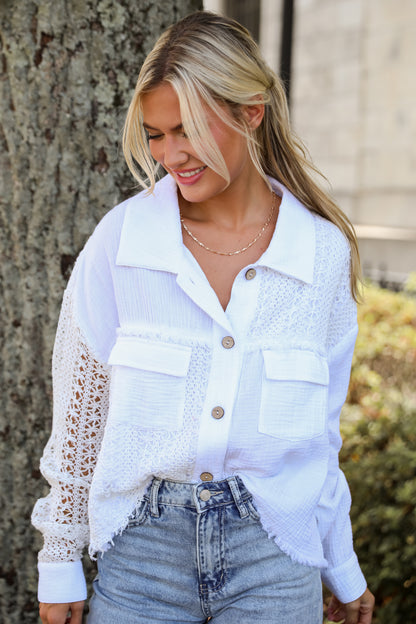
{"x": 237, "y": 207}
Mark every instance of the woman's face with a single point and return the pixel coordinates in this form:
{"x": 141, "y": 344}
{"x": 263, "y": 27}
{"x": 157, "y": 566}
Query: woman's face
{"x": 173, "y": 150}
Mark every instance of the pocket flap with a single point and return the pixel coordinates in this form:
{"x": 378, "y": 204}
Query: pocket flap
{"x": 170, "y": 359}
{"x": 296, "y": 365}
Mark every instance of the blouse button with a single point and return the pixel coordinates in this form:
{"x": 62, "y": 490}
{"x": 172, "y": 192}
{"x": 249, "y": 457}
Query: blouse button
{"x": 228, "y": 342}
{"x": 206, "y": 476}
{"x": 217, "y": 412}
{"x": 205, "y": 495}
{"x": 250, "y": 274}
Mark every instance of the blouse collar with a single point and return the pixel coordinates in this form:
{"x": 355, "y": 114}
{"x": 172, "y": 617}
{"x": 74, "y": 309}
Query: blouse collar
{"x": 151, "y": 235}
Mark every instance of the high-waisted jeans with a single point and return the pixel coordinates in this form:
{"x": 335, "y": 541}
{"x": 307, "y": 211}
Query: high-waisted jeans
{"x": 198, "y": 551}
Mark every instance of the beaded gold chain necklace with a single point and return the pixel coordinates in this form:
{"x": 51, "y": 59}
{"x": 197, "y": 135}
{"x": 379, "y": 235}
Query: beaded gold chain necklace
{"x": 238, "y": 251}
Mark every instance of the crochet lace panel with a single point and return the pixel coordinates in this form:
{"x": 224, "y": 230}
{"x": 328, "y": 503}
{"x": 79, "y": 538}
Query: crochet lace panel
{"x": 153, "y": 446}
{"x": 319, "y": 313}
{"x": 81, "y": 399}
{"x": 181, "y": 445}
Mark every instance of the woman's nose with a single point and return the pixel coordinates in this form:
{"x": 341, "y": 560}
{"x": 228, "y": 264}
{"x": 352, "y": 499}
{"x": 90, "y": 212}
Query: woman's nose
{"x": 174, "y": 155}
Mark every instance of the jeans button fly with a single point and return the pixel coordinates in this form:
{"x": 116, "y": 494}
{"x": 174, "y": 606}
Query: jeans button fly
{"x": 205, "y": 495}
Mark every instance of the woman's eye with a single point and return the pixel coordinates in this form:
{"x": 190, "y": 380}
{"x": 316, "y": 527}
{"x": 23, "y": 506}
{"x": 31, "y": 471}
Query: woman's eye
{"x": 155, "y": 137}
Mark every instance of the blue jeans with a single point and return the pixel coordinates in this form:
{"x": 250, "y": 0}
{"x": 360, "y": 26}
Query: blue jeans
{"x": 194, "y": 552}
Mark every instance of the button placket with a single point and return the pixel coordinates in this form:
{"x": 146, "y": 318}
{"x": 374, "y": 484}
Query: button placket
{"x": 228, "y": 342}
{"x": 215, "y": 422}
{"x": 250, "y": 274}
{"x": 206, "y": 476}
{"x": 217, "y": 412}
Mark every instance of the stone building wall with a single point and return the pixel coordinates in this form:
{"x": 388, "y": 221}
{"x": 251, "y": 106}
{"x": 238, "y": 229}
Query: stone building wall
{"x": 354, "y": 103}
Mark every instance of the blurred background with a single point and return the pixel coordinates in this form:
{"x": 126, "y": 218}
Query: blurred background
{"x": 349, "y": 70}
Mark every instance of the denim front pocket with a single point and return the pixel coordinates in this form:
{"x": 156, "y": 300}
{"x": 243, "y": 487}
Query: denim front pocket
{"x": 294, "y": 394}
{"x": 148, "y": 383}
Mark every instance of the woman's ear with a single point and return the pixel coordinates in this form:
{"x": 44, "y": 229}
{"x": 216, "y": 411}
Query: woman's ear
{"x": 253, "y": 114}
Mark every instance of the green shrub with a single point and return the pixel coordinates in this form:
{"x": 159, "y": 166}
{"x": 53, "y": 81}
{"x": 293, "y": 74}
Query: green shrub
{"x": 379, "y": 453}
{"x": 379, "y": 460}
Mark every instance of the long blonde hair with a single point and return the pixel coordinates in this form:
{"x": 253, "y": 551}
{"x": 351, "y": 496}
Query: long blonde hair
{"x": 212, "y": 59}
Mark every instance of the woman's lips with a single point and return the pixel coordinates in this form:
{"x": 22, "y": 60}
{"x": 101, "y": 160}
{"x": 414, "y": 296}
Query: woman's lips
{"x": 189, "y": 176}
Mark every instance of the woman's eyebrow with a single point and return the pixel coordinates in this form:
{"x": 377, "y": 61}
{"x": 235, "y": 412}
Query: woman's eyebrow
{"x": 178, "y": 127}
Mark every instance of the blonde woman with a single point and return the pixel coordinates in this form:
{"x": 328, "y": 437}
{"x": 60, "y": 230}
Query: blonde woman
{"x": 201, "y": 361}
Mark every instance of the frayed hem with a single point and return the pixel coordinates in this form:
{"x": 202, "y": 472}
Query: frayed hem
{"x": 294, "y": 554}
{"x": 94, "y": 551}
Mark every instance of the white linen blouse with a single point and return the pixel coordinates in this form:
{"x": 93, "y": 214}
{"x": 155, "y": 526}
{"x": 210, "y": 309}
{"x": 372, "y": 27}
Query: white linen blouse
{"x": 153, "y": 378}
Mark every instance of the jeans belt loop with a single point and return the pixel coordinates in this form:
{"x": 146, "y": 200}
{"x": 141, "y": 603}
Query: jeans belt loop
{"x": 154, "y": 494}
{"x": 235, "y": 491}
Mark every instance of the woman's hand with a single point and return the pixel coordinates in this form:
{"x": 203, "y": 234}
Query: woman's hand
{"x": 359, "y": 611}
{"x": 61, "y": 613}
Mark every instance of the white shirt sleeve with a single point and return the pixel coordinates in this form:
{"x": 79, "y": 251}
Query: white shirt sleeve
{"x": 80, "y": 398}
{"x": 343, "y": 575}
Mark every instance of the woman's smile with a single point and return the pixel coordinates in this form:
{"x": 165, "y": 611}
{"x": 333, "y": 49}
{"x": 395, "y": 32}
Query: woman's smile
{"x": 189, "y": 176}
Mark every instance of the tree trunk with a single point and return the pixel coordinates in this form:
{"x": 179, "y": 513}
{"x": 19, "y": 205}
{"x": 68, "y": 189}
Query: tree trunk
{"x": 68, "y": 72}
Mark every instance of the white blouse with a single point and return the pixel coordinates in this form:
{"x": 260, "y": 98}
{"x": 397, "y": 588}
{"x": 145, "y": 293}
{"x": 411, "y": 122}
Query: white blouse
{"x": 153, "y": 378}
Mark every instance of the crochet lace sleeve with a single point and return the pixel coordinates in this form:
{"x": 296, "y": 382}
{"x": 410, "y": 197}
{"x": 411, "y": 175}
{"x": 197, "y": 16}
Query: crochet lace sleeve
{"x": 80, "y": 397}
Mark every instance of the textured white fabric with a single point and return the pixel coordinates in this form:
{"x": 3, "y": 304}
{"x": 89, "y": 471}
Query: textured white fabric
{"x": 63, "y": 580}
{"x": 138, "y": 304}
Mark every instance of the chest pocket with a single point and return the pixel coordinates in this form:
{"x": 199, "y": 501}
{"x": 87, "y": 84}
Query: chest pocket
{"x": 148, "y": 383}
{"x": 294, "y": 395}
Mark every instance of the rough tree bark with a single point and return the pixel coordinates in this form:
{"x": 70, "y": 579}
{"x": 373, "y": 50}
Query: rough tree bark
{"x": 68, "y": 68}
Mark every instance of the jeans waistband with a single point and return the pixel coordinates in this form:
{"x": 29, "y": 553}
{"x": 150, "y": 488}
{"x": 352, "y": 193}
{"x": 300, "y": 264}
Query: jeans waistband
{"x": 198, "y": 496}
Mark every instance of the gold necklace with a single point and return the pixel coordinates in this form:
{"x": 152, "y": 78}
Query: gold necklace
{"x": 238, "y": 251}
